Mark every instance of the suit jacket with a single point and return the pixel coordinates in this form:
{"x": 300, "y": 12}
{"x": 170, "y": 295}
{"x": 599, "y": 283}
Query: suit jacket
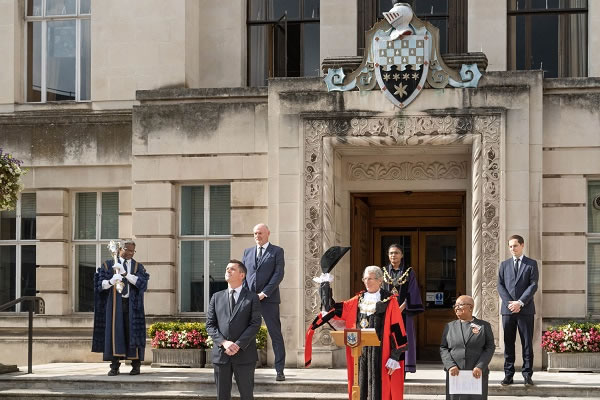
{"x": 268, "y": 274}
{"x": 521, "y": 287}
{"x": 476, "y": 351}
{"x": 240, "y": 327}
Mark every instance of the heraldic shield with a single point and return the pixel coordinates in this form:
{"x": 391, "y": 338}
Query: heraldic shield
{"x": 401, "y": 66}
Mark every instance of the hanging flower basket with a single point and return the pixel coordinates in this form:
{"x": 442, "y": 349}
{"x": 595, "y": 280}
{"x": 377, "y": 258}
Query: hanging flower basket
{"x": 10, "y": 180}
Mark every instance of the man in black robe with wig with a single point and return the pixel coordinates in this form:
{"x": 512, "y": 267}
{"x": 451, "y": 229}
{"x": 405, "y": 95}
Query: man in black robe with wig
{"x": 125, "y": 339}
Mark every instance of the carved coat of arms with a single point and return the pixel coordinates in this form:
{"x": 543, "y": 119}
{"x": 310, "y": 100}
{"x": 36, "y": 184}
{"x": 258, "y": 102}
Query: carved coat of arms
{"x": 402, "y": 58}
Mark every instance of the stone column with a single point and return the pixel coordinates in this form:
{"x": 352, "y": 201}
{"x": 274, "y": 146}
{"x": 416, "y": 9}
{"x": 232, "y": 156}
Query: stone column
{"x": 52, "y": 250}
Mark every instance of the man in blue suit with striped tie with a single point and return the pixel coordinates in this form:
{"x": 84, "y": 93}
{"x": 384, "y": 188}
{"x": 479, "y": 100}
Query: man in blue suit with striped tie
{"x": 517, "y": 284}
{"x": 265, "y": 264}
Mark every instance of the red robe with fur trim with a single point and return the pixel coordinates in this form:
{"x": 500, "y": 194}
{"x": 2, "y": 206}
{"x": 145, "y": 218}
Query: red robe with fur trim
{"x": 393, "y": 338}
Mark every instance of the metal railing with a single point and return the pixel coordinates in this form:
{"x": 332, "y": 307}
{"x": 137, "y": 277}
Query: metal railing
{"x": 38, "y": 306}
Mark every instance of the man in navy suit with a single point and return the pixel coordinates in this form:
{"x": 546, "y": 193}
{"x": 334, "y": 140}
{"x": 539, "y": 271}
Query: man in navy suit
{"x": 517, "y": 283}
{"x": 232, "y": 321}
{"x": 265, "y": 264}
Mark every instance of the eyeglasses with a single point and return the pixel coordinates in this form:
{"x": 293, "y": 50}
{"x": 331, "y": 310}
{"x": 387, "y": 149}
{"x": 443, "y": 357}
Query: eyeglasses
{"x": 462, "y": 305}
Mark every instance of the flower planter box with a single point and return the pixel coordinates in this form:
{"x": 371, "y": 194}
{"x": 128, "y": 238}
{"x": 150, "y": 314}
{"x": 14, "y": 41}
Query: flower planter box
{"x": 262, "y": 358}
{"x": 582, "y": 362}
{"x": 193, "y": 358}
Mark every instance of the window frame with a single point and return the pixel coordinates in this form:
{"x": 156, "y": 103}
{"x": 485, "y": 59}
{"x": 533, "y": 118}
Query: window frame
{"x": 98, "y": 241}
{"x": 593, "y": 238}
{"x": 43, "y": 19}
{"x": 528, "y": 12}
{"x": 18, "y": 243}
{"x": 206, "y": 239}
{"x": 272, "y": 23}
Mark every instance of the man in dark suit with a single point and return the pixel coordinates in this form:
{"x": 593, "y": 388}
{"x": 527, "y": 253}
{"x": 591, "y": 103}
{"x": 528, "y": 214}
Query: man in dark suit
{"x": 265, "y": 264}
{"x": 517, "y": 283}
{"x": 232, "y": 321}
{"x": 468, "y": 345}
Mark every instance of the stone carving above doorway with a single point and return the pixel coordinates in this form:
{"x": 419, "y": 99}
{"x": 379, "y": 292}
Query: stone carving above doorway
{"x": 482, "y": 132}
{"x": 407, "y": 171}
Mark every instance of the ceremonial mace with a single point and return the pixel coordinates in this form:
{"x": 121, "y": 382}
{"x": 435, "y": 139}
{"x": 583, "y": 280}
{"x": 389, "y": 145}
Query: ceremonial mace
{"x": 114, "y": 247}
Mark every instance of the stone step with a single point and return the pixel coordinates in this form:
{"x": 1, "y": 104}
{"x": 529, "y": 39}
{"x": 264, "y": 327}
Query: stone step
{"x": 41, "y": 394}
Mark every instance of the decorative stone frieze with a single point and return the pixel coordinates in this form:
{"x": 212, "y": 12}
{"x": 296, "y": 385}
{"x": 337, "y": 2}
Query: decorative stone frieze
{"x": 482, "y": 132}
{"x": 407, "y": 171}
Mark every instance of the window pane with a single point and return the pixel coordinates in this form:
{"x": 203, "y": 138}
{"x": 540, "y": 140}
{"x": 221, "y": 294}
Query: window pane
{"x": 442, "y": 25}
{"x": 8, "y": 225}
{"x": 192, "y": 210}
{"x": 257, "y": 10}
{"x": 34, "y": 8}
{"x": 431, "y": 7}
{"x": 34, "y": 61}
{"x": 311, "y": 50}
{"x": 7, "y": 275}
{"x": 192, "y": 276}
{"x": 219, "y": 255}
{"x": 60, "y": 7}
{"x": 27, "y": 274}
{"x": 594, "y": 207}
{"x": 85, "y": 260}
{"x": 384, "y": 6}
{"x": 440, "y": 264}
{"x": 86, "y": 56}
{"x": 60, "y": 60}
{"x": 312, "y": 9}
{"x": 279, "y": 7}
{"x": 110, "y": 215}
{"x": 28, "y": 223}
{"x": 293, "y": 51}
{"x": 594, "y": 278}
{"x": 84, "y": 6}
{"x": 85, "y": 216}
{"x": 220, "y": 210}
{"x": 259, "y": 68}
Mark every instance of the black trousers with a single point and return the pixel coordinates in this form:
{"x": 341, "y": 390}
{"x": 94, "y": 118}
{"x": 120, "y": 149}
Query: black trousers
{"x": 524, "y": 324}
{"x": 244, "y": 377}
{"x": 135, "y": 364}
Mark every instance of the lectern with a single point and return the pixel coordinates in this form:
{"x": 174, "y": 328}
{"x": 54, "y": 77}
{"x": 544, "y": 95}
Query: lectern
{"x": 356, "y": 339}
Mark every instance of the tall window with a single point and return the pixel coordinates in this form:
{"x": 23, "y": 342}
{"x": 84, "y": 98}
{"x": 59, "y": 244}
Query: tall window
{"x": 58, "y": 50}
{"x": 17, "y": 252}
{"x": 96, "y": 223}
{"x": 449, "y": 16}
{"x": 593, "y": 261}
{"x": 204, "y": 243}
{"x": 283, "y": 39}
{"x": 550, "y": 35}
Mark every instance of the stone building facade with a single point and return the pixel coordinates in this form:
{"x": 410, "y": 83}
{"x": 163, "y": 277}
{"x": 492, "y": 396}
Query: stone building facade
{"x": 175, "y": 148}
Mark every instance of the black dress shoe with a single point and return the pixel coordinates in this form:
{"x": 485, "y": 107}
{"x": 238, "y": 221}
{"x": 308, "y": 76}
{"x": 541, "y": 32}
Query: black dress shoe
{"x": 134, "y": 371}
{"x": 280, "y": 377}
{"x": 528, "y": 381}
{"x": 113, "y": 372}
{"x": 508, "y": 380}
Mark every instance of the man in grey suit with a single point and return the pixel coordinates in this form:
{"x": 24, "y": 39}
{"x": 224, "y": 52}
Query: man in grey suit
{"x": 265, "y": 264}
{"x": 517, "y": 283}
{"x": 233, "y": 320}
{"x": 467, "y": 344}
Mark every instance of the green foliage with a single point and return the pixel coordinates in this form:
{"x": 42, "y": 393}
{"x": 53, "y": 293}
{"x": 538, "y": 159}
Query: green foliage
{"x": 180, "y": 326}
{"x": 261, "y": 338}
{"x": 10, "y": 181}
{"x": 177, "y": 326}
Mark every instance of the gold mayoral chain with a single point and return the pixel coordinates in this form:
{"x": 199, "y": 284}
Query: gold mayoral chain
{"x": 366, "y": 308}
{"x": 393, "y": 282}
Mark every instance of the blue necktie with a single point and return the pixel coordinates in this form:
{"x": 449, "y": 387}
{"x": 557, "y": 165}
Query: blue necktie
{"x": 516, "y": 267}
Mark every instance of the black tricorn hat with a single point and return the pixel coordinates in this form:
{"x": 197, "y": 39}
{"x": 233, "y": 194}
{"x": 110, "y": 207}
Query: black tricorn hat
{"x": 331, "y": 257}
